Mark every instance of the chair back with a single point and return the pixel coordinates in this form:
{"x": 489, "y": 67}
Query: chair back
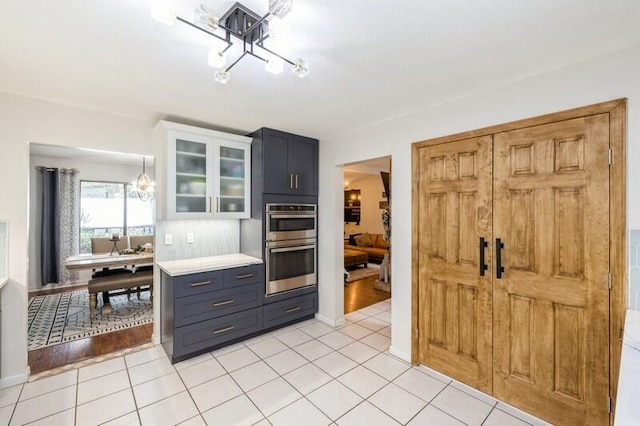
{"x": 105, "y": 245}
{"x": 140, "y": 240}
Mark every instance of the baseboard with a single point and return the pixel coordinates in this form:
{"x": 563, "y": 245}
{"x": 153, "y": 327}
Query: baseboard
{"x": 18, "y": 379}
{"x": 332, "y": 323}
{"x": 399, "y": 354}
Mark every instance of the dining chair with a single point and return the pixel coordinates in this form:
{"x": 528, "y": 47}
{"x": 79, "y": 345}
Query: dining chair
{"x": 105, "y": 245}
{"x": 140, "y": 240}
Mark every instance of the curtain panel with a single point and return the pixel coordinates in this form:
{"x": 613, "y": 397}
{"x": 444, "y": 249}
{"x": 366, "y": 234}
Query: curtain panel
{"x": 59, "y": 238}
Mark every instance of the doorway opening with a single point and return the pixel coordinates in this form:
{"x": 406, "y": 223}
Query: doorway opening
{"x": 367, "y": 233}
{"x": 85, "y": 215}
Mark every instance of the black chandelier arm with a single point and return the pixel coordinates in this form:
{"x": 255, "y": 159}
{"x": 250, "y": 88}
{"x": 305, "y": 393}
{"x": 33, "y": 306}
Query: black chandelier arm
{"x": 261, "y": 46}
{"x": 191, "y": 24}
{"x": 237, "y": 60}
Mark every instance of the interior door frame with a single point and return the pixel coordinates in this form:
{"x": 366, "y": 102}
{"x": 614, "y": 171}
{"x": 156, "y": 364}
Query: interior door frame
{"x": 617, "y": 110}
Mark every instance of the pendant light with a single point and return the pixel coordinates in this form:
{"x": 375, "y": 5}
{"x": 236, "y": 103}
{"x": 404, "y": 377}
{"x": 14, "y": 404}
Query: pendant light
{"x": 144, "y": 184}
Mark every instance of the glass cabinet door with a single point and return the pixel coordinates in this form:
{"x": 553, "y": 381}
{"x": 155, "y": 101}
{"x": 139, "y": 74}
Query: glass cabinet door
{"x": 190, "y": 192}
{"x": 232, "y": 163}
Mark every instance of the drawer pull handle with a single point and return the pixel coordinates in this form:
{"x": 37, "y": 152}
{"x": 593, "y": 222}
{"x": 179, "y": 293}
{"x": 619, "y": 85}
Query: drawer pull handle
{"x": 242, "y": 277}
{"x": 200, "y": 283}
{"x": 223, "y": 330}
{"x": 226, "y": 302}
{"x": 297, "y": 308}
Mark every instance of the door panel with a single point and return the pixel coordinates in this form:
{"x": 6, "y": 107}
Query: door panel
{"x": 455, "y": 302}
{"x": 551, "y": 209}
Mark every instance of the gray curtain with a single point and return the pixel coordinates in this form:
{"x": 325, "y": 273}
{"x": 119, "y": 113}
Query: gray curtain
{"x": 68, "y": 214}
{"x": 59, "y": 238}
{"x": 50, "y": 238}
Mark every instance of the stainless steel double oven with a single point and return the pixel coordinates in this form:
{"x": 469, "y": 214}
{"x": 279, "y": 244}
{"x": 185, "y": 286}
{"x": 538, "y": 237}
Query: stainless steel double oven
{"x": 290, "y": 246}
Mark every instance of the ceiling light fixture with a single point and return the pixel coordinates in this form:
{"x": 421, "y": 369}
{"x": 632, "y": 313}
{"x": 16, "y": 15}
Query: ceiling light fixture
{"x": 240, "y": 23}
{"x": 144, "y": 185}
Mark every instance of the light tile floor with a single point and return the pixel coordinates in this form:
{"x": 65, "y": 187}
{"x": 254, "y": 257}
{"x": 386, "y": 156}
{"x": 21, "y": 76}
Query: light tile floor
{"x": 307, "y": 373}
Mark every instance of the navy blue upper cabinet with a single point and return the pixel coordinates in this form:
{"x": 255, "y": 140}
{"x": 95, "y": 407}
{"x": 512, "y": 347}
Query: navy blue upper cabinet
{"x": 288, "y": 163}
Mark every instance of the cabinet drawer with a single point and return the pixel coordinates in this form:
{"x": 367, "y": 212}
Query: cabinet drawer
{"x": 201, "y": 307}
{"x": 243, "y": 276}
{"x": 206, "y": 334}
{"x": 289, "y": 310}
{"x": 204, "y": 282}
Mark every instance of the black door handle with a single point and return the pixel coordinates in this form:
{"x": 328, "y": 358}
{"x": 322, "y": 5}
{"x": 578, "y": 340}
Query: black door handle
{"x": 483, "y": 265}
{"x": 499, "y": 267}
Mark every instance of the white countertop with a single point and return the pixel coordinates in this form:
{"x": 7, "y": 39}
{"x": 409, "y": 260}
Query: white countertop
{"x": 203, "y": 264}
{"x": 3, "y": 281}
{"x": 627, "y": 406}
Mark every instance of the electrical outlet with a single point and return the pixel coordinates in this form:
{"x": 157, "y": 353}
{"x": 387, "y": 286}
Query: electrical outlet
{"x": 168, "y": 239}
{"x": 189, "y": 237}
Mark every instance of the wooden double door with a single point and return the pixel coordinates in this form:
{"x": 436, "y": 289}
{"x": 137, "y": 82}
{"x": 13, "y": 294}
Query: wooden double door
{"x": 513, "y": 265}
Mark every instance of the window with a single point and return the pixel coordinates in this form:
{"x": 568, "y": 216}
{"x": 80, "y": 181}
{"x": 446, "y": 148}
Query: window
{"x": 112, "y": 207}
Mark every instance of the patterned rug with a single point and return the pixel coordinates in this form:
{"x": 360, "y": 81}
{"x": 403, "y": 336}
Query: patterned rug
{"x": 360, "y": 273}
{"x": 64, "y": 317}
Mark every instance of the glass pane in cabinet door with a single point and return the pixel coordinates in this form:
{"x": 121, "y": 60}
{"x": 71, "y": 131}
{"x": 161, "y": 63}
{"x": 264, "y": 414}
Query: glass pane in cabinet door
{"x": 191, "y": 177}
{"x": 232, "y": 183}
{"x": 231, "y": 205}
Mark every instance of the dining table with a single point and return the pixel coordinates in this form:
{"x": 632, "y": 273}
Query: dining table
{"x": 104, "y": 261}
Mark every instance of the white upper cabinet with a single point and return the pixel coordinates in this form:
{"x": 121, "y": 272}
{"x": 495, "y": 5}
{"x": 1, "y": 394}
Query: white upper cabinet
{"x": 208, "y": 173}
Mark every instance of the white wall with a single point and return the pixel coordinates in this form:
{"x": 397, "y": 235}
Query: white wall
{"x": 607, "y": 78}
{"x": 24, "y": 121}
{"x": 87, "y": 171}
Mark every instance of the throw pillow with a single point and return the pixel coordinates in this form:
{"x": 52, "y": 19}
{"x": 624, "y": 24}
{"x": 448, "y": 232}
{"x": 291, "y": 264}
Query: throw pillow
{"x": 381, "y": 243}
{"x": 364, "y": 240}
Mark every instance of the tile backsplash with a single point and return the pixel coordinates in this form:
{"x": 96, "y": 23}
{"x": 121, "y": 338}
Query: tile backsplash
{"x": 634, "y": 269}
{"x": 212, "y": 237}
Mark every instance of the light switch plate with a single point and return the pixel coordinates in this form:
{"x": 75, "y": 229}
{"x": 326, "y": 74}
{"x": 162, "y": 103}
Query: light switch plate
{"x": 190, "y": 238}
{"x": 168, "y": 239}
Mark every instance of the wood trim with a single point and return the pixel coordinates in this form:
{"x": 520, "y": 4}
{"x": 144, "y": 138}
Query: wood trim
{"x": 415, "y": 267}
{"x": 601, "y": 108}
{"x": 618, "y": 242}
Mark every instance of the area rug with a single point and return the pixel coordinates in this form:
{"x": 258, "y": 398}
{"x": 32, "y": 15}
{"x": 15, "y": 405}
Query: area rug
{"x": 64, "y": 317}
{"x": 360, "y": 273}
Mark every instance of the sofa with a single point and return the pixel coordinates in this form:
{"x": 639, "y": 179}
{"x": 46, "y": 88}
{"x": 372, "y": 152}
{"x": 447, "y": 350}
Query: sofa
{"x": 372, "y": 244}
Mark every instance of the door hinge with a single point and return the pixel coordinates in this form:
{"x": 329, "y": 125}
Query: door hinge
{"x": 609, "y": 280}
{"x": 609, "y": 405}
{"x": 610, "y": 156}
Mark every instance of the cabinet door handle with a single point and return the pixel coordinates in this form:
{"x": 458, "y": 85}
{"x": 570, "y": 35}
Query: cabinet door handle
{"x": 291, "y": 180}
{"x": 226, "y": 302}
{"x": 242, "y": 277}
{"x": 499, "y": 267}
{"x": 483, "y": 265}
{"x": 297, "y": 308}
{"x": 198, "y": 284}
{"x": 209, "y": 204}
{"x": 217, "y": 204}
{"x": 296, "y": 181}
{"x": 223, "y": 330}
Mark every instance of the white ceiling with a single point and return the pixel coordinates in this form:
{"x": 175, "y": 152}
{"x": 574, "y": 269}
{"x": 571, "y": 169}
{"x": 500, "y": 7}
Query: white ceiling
{"x": 90, "y": 155}
{"x": 369, "y": 60}
{"x": 363, "y": 169}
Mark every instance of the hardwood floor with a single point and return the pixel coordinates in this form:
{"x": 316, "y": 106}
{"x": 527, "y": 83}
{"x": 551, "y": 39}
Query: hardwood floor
{"x": 67, "y": 353}
{"x": 361, "y": 293}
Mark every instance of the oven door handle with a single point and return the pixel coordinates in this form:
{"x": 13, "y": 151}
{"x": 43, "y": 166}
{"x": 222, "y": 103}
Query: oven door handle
{"x": 291, "y": 216}
{"x": 294, "y": 248}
